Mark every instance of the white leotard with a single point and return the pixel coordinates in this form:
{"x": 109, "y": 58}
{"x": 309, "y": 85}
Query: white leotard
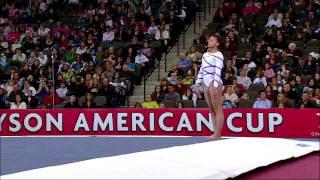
{"x": 210, "y": 70}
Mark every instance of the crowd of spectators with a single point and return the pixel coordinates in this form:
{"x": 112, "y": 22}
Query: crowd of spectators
{"x": 90, "y": 53}
{"x": 271, "y": 54}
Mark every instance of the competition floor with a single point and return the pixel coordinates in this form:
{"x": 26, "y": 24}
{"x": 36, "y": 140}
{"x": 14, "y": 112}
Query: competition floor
{"x": 147, "y": 157}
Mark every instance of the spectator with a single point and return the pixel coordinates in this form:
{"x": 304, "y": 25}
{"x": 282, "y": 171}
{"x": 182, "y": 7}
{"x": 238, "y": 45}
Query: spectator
{"x": 302, "y": 68}
{"x": 306, "y": 102}
{"x": 149, "y": 103}
{"x": 268, "y": 71}
{"x": 73, "y": 103}
{"x": 157, "y": 95}
{"x": 89, "y": 101}
{"x": 189, "y": 95}
{"x": 51, "y": 98}
{"x": 180, "y": 87}
{"x": 108, "y": 36}
{"x": 288, "y": 93}
{"x": 260, "y": 79}
{"x": 180, "y": 105}
{"x": 245, "y": 96}
{"x": 28, "y": 87}
{"x": 243, "y": 79}
{"x": 163, "y": 35}
{"x": 172, "y": 95}
{"x": 281, "y": 101}
{"x": 164, "y": 83}
{"x": 31, "y": 101}
{"x": 274, "y": 21}
{"x": 18, "y": 103}
{"x": 183, "y": 63}
{"x": 62, "y": 90}
{"x": 262, "y": 102}
{"x": 153, "y": 29}
{"x": 231, "y": 96}
{"x": 109, "y": 91}
{"x": 19, "y": 56}
{"x": 142, "y": 60}
{"x": 138, "y": 105}
{"x": 43, "y": 58}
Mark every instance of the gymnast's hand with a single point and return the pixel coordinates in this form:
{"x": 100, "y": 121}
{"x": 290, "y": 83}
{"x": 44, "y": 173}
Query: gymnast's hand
{"x": 197, "y": 89}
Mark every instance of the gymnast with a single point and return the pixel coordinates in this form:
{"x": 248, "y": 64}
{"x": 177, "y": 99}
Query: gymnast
{"x": 210, "y": 75}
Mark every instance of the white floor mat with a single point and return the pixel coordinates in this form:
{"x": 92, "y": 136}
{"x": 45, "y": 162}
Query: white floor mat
{"x": 211, "y": 160}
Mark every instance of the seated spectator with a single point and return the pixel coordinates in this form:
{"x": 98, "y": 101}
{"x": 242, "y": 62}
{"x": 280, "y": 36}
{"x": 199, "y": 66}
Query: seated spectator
{"x": 137, "y": 105}
{"x": 175, "y": 70}
{"x": 198, "y": 39}
{"x": 172, "y": 95}
{"x": 77, "y": 65}
{"x": 153, "y": 29}
{"x": 299, "y": 85}
{"x": 164, "y": 83}
{"x": 162, "y": 105}
{"x": 19, "y": 56}
{"x": 31, "y": 100}
{"x": 290, "y": 94}
{"x": 180, "y": 105}
{"x": 163, "y": 35}
{"x": 67, "y": 72}
{"x": 137, "y": 32}
{"x": 73, "y": 103}
{"x": 183, "y": 63}
{"x": 226, "y": 103}
{"x": 268, "y": 71}
{"x": 28, "y": 87}
{"x": 81, "y": 49}
{"x": 189, "y": 95}
{"x": 302, "y": 68}
{"x": 244, "y": 79}
{"x": 142, "y": 60}
{"x": 147, "y": 51}
{"x": 12, "y": 90}
{"x": 180, "y": 87}
{"x": 245, "y": 96}
{"x": 230, "y": 46}
{"x": 18, "y": 103}
{"x": 157, "y": 95}
{"x": 108, "y": 36}
{"x": 173, "y": 78}
{"x": 126, "y": 75}
{"x": 306, "y": 102}
{"x": 281, "y": 101}
{"x": 227, "y": 78}
{"x": 189, "y": 79}
{"x": 149, "y": 103}
{"x": 294, "y": 51}
{"x": 43, "y": 58}
{"x": 260, "y": 79}
{"x": 237, "y": 86}
{"x": 42, "y": 30}
{"x": 271, "y": 95}
{"x": 62, "y": 90}
{"x": 51, "y": 98}
{"x": 262, "y": 102}
{"x": 108, "y": 90}
{"x": 89, "y": 101}
{"x": 276, "y": 20}
{"x": 231, "y": 96}
{"x": 252, "y": 7}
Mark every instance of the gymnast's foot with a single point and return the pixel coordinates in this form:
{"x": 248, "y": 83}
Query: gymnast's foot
{"x": 215, "y": 136}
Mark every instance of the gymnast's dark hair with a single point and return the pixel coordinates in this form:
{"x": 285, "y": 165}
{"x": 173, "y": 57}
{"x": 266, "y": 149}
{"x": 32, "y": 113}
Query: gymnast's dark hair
{"x": 219, "y": 39}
